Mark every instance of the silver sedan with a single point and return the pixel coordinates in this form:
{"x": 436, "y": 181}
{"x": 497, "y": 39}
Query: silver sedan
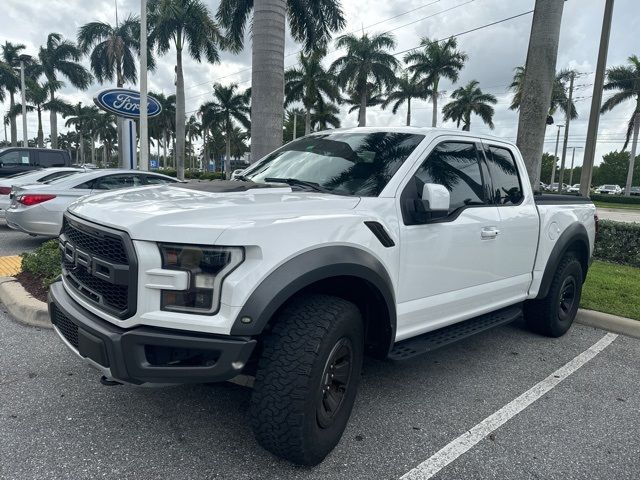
{"x": 31, "y": 177}
{"x": 38, "y": 209}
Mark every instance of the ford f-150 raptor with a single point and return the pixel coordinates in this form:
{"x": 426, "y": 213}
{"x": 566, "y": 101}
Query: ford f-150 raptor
{"x": 388, "y": 242}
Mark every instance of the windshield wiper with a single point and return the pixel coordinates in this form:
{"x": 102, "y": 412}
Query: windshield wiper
{"x": 298, "y": 183}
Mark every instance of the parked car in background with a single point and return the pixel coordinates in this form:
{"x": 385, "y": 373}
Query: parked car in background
{"x": 17, "y": 159}
{"x": 635, "y": 191}
{"x": 41, "y": 176}
{"x": 554, "y": 187}
{"x": 575, "y": 188}
{"x": 609, "y": 190}
{"x": 543, "y": 186}
{"x": 38, "y": 209}
{"x": 236, "y": 173}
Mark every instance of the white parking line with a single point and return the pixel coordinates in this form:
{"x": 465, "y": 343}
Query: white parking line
{"x": 467, "y": 440}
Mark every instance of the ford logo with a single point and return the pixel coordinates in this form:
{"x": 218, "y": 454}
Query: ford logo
{"x": 125, "y": 103}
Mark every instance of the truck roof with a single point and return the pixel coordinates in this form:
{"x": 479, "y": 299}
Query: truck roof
{"x": 426, "y": 131}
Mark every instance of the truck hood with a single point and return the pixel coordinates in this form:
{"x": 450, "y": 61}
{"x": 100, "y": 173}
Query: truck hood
{"x": 175, "y": 214}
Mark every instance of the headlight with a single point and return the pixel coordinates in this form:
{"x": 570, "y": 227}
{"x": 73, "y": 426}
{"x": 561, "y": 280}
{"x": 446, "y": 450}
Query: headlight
{"x": 207, "y": 267}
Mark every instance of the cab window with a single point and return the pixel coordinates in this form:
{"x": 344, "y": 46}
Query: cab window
{"x": 507, "y": 188}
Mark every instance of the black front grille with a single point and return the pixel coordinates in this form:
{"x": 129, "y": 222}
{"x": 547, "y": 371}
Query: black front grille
{"x": 105, "y": 246}
{"x": 67, "y": 328}
{"x": 99, "y": 263}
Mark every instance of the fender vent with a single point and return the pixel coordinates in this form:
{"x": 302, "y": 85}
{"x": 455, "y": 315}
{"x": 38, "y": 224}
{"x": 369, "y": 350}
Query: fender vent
{"x": 381, "y": 234}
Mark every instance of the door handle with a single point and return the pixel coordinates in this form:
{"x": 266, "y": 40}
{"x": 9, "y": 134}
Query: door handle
{"x": 489, "y": 232}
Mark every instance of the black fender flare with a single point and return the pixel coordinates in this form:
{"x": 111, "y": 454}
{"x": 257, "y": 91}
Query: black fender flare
{"x": 305, "y": 269}
{"x": 575, "y": 234}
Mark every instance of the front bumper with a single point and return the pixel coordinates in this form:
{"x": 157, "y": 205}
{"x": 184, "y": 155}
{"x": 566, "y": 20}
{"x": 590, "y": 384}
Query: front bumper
{"x": 146, "y": 355}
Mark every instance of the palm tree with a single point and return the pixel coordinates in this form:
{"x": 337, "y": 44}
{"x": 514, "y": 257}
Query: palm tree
{"x": 211, "y": 121}
{"x": 238, "y": 145}
{"x": 367, "y": 61}
{"x": 104, "y": 130}
{"x": 309, "y": 83}
{"x": 230, "y": 105}
{"x": 310, "y": 21}
{"x": 467, "y": 100}
{"x": 38, "y": 97}
{"x": 183, "y": 24}
{"x": 292, "y": 116}
{"x": 354, "y": 100}
{"x": 79, "y": 117}
{"x": 625, "y": 80}
{"x": 559, "y": 95}
{"x": 165, "y": 121}
{"x": 192, "y": 130}
{"x": 10, "y": 79}
{"x": 406, "y": 90}
{"x": 436, "y": 60}
{"x": 325, "y": 115}
{"x": 60, "y": 57}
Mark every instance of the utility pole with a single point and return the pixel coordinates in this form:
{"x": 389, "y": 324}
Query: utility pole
{"x": 573, "y": 156}
{"x": 555, "y": 157}
{"x": 566, "y": 131}
{"x": 25, "y": 138}
{"x": 540, "y": 72}
{"x": 596, "y": 102}
{"x": 632, "y": 156}
{"x": 144, "y": 121}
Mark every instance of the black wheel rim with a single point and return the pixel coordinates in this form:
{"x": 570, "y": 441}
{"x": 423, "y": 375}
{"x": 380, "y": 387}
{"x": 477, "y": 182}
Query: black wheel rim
{"x": 335, "y": 382}
{"x": 567, "y": 298}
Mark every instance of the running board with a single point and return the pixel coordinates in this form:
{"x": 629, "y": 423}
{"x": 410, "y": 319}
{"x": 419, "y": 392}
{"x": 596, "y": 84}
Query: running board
{"x": 427, "y": 342}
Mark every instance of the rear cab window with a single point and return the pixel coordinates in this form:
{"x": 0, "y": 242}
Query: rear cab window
{"x": 47, "y": 159}
{"x": 505, "y": 178}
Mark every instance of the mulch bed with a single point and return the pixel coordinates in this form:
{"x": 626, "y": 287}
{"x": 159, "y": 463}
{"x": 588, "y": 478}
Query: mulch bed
{"x": 33, "y": 285}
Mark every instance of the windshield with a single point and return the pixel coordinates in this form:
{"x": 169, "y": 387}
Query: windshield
{"x": 610, "y": 187}
{"x": 23, "y": 174}
{"x": 343, "y": 163}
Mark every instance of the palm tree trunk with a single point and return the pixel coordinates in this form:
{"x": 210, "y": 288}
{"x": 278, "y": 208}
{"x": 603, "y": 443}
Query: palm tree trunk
{"x": 267, "y": 80}
{"x": 164, "y": 147}
{"x": 538, "y": 82}
{"x": 40, "y": 132}
{"x": 307, "y": 122}
{"x": 409, "y": 112}
{"x": 180, "y": 134}
{"x": 81, "y": 148}
{"x": 12, "y": 120}
{"x": 362, "y": 114}
{"x": 53, "y": 122}
{"x": 93, "y": 150}
{"x": 227, "y": 153}
{"x": 158, "y": 152}
{"x": 434, "y": 100}
{"x": 632, "y": 157}
{"x": 205, "y": 151}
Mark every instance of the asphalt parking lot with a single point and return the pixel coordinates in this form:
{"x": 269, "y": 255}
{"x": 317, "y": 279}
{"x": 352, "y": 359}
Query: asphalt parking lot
{"x": 58, "y": 421}
{"x": 13, "y": 242}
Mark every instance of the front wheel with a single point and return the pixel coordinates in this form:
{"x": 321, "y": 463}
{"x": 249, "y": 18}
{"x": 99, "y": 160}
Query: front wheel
{"x": 307, "y": 378}
{"x": 553, "y": 315}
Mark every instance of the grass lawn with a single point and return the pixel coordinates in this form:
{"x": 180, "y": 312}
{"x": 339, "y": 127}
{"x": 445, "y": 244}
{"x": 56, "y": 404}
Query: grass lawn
{"x": 620, "y": 206}
{"x": 612, "y": 288}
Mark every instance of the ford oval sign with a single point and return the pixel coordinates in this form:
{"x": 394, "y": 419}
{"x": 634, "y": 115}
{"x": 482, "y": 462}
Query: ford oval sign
{"x": 125, "y": 103}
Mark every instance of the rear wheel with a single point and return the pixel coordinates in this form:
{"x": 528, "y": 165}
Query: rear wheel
{"x": 554, "y": 314}
{"x": 307, "y": 378}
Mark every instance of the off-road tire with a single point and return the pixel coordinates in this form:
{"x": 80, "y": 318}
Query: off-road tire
{"x": 547, "y": 315}
{"x": 288, "y": 394}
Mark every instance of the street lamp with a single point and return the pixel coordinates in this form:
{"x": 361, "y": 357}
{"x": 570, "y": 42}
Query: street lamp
{"x": 555, "y": 156}
{"x": 573, "y": 156}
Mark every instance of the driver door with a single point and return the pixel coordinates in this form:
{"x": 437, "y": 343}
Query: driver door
{"x": 448, "y": 265}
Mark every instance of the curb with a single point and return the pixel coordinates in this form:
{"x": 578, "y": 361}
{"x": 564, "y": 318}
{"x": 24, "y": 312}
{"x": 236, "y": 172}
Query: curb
{"x": 612, "y": 323}
{"x": 22, "y": 306}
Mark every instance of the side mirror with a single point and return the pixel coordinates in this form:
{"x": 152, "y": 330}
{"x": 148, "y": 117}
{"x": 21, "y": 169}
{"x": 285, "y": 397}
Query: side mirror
{"x": 433, "y": 205}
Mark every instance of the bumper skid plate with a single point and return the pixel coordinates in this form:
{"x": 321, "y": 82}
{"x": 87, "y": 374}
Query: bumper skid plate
{"x": 146, "y": 355}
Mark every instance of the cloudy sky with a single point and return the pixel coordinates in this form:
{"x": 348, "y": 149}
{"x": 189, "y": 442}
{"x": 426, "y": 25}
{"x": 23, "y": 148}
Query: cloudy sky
{"x": 493, "y": 52}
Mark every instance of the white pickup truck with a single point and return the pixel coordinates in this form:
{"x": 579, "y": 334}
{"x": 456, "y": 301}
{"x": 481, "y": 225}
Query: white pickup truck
{"x": 368, "y": 241}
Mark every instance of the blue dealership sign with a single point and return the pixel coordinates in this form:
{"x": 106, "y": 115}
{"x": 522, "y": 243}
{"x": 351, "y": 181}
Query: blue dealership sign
{"x": 125, "y": 103}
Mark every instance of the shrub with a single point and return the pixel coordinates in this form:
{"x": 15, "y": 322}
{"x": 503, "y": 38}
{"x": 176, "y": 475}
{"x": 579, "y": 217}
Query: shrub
{"x": 615, "y": 199}
{"x": 619, "y": 242}
{"x": 44, "y": 262}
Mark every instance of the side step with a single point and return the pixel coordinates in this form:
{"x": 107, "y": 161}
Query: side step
{"x": 430, "y": 341}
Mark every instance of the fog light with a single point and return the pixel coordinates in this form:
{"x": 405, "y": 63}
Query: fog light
{"x": 246, "y": 320}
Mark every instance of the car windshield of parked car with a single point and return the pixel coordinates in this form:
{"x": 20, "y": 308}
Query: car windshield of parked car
{"x": 342, "y": 163}
{"x": 610, "y": 187}
{"x": 22, "y": 174}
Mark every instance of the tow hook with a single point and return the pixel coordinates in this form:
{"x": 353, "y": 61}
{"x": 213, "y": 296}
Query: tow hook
{"x": 109, "y": 383}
